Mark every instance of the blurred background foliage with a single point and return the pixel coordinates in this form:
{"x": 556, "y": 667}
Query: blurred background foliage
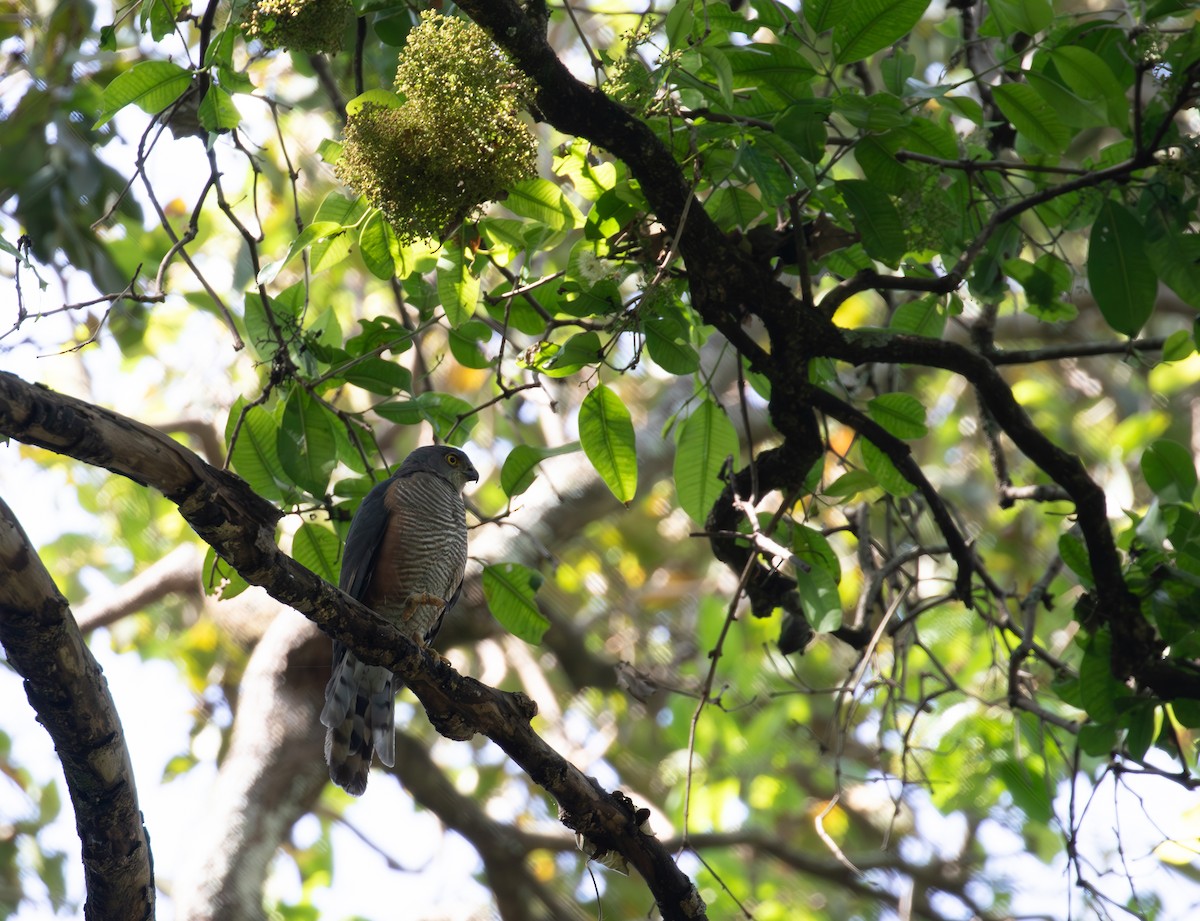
{"x": 197, "y": 265}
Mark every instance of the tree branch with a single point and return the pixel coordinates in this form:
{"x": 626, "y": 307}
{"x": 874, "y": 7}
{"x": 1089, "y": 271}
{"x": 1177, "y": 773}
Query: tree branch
{"x": 66, "y": 688}
{"x": 239, "y": 524}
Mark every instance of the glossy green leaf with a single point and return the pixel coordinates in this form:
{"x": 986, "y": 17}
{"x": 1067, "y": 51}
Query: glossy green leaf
{"x": 900, "y": 413}
{"x": 1119, "y": 273}
{"x": 541, "y": 200}
{"x": 822, "y": 603}
{"x": 606, "y": 434}
{"x": 823, "y": 15}
{"x": 150, "y": 85}
{"x": 1032, "y": 116}
{"x": 457, "y": 286}
{"x": 220, "y": 580}
{"x": 884, "y": 471}
{"x": 255, "y": 456}
{"x": 217, "y": 111}
{"x": 450, "y": 416}
{"x": 318, "y": 230}
{"x": 520, "y": 467}
{"x": 348, "y": 212}
{"x": 316, "y": 547}
{"x": 706, "y": 440}
{"x": 866, "y": 26}
{"x": 666, "y": 349}
{"x": 1027, "y": 16}
{"x": 1087, "y": 74}
{"x": 920, "y": 317}
{"x": 1170, "y": 471}
{"x": 378, "y": 375}
{"x": 1145, "y": 723}
{"x": 875, "y": 218}
{"x": 378, "y": 245}
{"x": 1074, "y": 553}
{"x": 306, "y": 442}
{"x": 509, "y": 589}
{"x": 1026, "y": 782}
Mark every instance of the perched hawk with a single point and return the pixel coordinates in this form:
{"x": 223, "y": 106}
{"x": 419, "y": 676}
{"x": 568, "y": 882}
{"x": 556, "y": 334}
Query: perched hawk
{"x": 405, "y": 557}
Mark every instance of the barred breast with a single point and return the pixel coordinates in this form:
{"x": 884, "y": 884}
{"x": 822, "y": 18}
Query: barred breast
{"x": 423, "y": 552}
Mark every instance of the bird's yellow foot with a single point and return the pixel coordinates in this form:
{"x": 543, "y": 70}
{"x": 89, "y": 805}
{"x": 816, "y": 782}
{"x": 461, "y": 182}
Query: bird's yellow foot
{"x": 418, "y": 599}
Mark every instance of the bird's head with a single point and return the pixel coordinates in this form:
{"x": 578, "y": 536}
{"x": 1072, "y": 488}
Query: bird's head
{"x": 449, "y": 463}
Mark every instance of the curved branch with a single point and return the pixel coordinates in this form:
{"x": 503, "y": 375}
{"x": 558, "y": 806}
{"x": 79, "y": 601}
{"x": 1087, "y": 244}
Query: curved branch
{"x": 1137, "y": 651}
{"x": 239, "y": 524}
{"x": 66, "y": 688}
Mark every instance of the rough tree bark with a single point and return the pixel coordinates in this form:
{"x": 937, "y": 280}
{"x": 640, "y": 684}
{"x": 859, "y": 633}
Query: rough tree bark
{"x": 66, "y": 688}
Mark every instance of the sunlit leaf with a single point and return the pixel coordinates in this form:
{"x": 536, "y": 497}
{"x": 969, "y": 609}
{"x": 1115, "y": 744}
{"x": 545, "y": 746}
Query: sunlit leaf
{"x": 150, "y": 85}
{"x": 606, "y": 434}
{"x": 706, "y": 440}
{"x": 509, "y": 589}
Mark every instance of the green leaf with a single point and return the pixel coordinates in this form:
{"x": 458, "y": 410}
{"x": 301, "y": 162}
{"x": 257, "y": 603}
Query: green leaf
{"x": 850, "y": 484}
{"x": 543, "y": 201}
{"x": 1027, "y": 16}
{"x": 1175, "y": 258}
{"x": 875, "y": 218}
{"x": 255, "y": 456}
{"x": 379, "y": 248}
{"x": 1098, "y": 689}
{"x": 465, "y": 344}
{"x": 884, "y": 471}
{"x": 449, "y": 415}
{"x": 345, "y": 211}
{"x": 150, "y": 85}
{"x": 520, "y": 467}
{"x": 823, "y": 15}
{"x": 813, "y": 547}
{"x": 1145, "y": 723}
{"x": 1074, "y": 553}
{"x": 1086, "y": 73}
{"x": 377, "y": 375}
{"x": 457, "y": 286}
{"x": 667, "y": 351}
{"x": 822, "y": 603}
{"x": 1170, "y": 471}
{"x": 606, "y": 433}
{"x": 869, "y": 25}
{"x": 317, "y": 230}
{"x": 316, "y": 547}
{"x": 921, "y": 317}
{"x": 1026, "y": 783}
{"x": 217, "y": 111}
{"x": 509, "y": 589}
{"x": 679, "y": 25}
{"x": 900, "y": 413}
{"x": 1032, "y": 116}
{"x": 306, "y": 442}
{"x": 706, "y": 439}
{"x": 1119, "y": 273}
{"x": 220, "y": 579}
{"x": 378, "y": 97}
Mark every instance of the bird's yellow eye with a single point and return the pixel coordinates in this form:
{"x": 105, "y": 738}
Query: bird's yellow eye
{"x": 452, "y": 460}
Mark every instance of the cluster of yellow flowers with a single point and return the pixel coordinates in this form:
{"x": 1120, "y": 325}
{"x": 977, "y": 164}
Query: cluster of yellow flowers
{"x": 452, "y": 140}
{"x": 314, "y": 26}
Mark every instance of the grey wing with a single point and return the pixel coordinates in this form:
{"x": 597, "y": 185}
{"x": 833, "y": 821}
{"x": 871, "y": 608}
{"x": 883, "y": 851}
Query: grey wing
{"x": 363, "y": 540}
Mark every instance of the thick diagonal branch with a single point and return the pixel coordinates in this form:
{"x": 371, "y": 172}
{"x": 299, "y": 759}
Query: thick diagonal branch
{"x": 66, "y": 688}
{"x": 240, "y": 525}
